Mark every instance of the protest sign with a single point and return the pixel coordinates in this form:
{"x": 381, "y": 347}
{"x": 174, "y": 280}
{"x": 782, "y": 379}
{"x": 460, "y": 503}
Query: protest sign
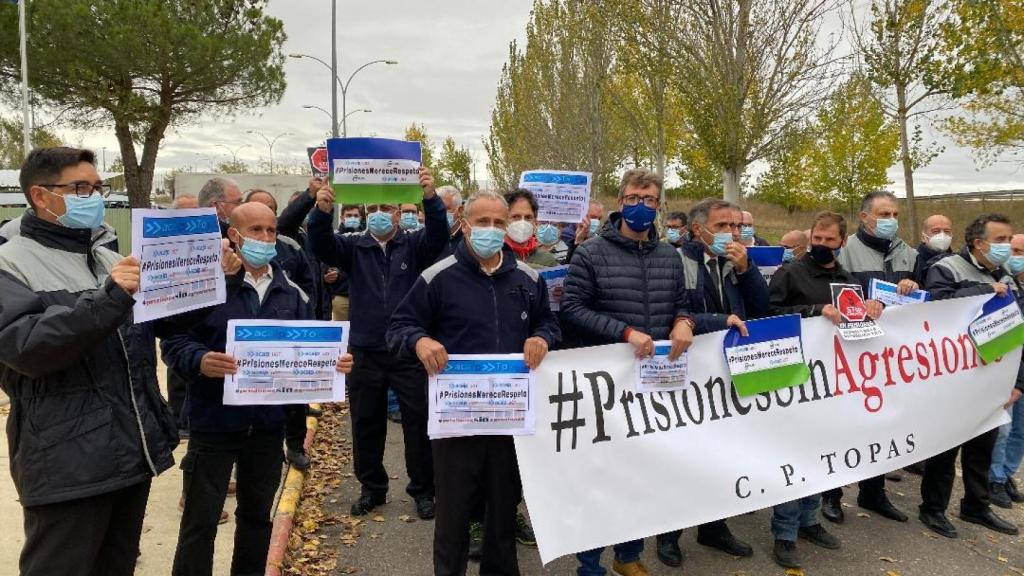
{"x": 868, "y": 407}
{"x": 479, "y": 395}
{"x": 318, "y": 163}
{"x": 855, "y": 325}
{"x": 999, "y": 327}
{"x": 285, "y": 362}
{"x": 561, "y": 196}
{"x": 767, "y": 258}
{"x": 888, "y": 293}
{"x": 554, "y": 277}
{"x": 657, "y": 372}
{"x": 770, "y": 357}
{"x": 374, "y": 170}
{"x": 179, "y": 257}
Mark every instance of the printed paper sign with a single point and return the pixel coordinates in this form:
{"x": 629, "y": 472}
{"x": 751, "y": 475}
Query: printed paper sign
{"x": 374, "y": 170}
{"x": 561, "y": 196}
{"x": 481, "y": 395}
{"x": 657, "y": 373}
{"x": 769, "y": 358}
{"x": 999, "y": 327}
{"x": 285, "y": 362}
{"x": 554, "y": 277}
{"x": 849, "y": 299}
{"x": 767, "y": 258}
{"x": 887, "y": 293}
{"x": 179, "y": 253}
{"x": 318, "y": 163}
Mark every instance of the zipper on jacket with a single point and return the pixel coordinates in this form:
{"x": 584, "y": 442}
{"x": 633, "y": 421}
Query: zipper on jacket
{"x": 135, "y": 406}
{"x": 497, "y": 321}
{"x": 647, "y": 290}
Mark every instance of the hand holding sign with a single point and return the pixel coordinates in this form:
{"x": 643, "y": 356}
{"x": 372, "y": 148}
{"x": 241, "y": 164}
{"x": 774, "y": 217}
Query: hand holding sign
{"x": 534, "y": 350}
{"x": 126, "y": 274}
{"x": 230, "y": 262}
{"x": 643, "y": 344}
{"x": 427, "y": 182}
{"x": 1000, "y": 289}
{"x": 325, "y": 200}
{"x": 345, "y": 363}
{"x": 832, "y": 313}
{"x": 874, "y": 308}
{"x": 217, "y": 365}
{"x": 906, "y": 286}
{"x": 734, "y": 321}
{"x": 315, "y": 184}
{"x": 432, "y": 354}
{"x": 682, "y": 338}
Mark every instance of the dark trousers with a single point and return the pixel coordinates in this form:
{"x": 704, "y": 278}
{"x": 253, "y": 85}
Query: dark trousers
{"x": 94, "y": 536}
{"x": 374, "y": 373}
{"x": 940, "y": 472}
{"x": 295, "y": 427}
{"x": 177, "y": 392}
{"x": 869, "y": 488}
{"x": 207, "y": 466}
{"x": 712, "y": 529}
{"x": 468, "y": 468}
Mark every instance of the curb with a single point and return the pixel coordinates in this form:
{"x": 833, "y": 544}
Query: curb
{"x": 287, "y": 504}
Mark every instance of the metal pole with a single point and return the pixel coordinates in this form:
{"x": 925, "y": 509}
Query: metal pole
{"x": 344, "y": 116}
{"x": 334, "y": 67}
{"x": 22, "y": 31}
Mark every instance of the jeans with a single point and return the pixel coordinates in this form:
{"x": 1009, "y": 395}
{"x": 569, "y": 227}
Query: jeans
{"x": 789, "y": 517}
{"x": 1009, "y": 449}
{"x": 393, "y": 406}
{"x": 590, "y": 561}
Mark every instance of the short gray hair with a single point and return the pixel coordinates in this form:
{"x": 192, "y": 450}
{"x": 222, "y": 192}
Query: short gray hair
{"x": 481, "y": 194}
{"x": 869, "y": 199}
{"x": 699, "y": 213}
{"x": 450, "y": 192}
{"x": 214, "y": 190}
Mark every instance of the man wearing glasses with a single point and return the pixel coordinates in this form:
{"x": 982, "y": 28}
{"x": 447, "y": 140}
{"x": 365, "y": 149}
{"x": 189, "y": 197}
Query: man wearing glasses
{"x": 626, "y": 286}
{"x": 224, "y": 195}
{"x": 104, "y": 235}
{"x": 382, "y": 264}
{"x": 88, "y": 429}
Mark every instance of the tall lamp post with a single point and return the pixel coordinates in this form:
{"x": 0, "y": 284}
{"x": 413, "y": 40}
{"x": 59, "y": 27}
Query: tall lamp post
{"x": 270, "y": 143}
{"x": 233, "y": 151}
{"x": 344, "y": 89}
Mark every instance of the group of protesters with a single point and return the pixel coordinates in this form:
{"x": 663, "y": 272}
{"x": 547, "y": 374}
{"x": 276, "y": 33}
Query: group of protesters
{"x": 88, "y": 428}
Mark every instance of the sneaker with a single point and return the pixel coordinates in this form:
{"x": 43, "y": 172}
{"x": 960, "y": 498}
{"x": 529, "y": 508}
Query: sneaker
{"x": 785, "y": 554}
{"x": 818, "y": 536}
{"x": 181, "y": 510}
{"x": 524, "y": 533}
{"x": 629, "y": 569}
{"x": 366, "y": 503}
{"x": 999, "y": 495}
{"x": 476, "y": 540}
{"x": 1011, "y": 489}
{"x": 298, "y": 459}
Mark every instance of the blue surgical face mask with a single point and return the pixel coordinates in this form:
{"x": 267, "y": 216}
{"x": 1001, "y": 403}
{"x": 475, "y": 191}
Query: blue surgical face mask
{"x": 886, "y": 228}
{"x": 746, "y": 232}
{"x": 353, "y": 222}
{"x": 787, "y": 255}
{"x": 673, "y": 235}
{"x": 639, "y": 217}
{"x": 82, "y": 213}
{"x": 720, "y": 242}
{"x": 547, "y": 234}
{"x": 594, "y": 225}
{"x": 486, "y": 241}
{"x": 451, "y": 220}
{"x": 409, "y": 221}
{"x": 998, "y": 254}
{"x": 379, "y": 224}
{"x": 1015, "y": 265}
{"x": 258, "y": 253}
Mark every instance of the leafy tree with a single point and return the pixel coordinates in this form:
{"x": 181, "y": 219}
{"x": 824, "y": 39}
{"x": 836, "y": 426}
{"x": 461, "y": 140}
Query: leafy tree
{"x": 699, "y": 178}
{"x": 231, "y": 167}
{"x": 12, "y": 145}
{"x": 788, "y": 181}
{"x": 418, "y": 133}
{"x": 143, "y": 66}
{"x": 455, "y": 166}
{"x": 117, "y": 166}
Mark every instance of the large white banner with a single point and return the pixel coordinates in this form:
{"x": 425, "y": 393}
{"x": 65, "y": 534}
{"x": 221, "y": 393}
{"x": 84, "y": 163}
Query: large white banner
{"x": 608, "y": 464}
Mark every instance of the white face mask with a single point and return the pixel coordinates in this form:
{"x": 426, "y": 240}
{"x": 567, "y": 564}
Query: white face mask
{"x": 520, "y": 231}
{"x": 940, "y": 242}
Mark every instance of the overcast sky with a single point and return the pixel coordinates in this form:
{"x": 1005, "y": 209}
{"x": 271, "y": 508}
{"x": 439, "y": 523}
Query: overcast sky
{"x": 450, "y": 54}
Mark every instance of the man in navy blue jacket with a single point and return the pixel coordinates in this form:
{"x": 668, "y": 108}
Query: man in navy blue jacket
{"x": 382, "y": 265}
{"x": 480, "y": 300}
{"x": 221, "y": 436}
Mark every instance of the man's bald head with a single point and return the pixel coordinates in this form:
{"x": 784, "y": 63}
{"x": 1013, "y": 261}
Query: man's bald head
{"x": 935, "y": 224}
{"x": 256, "y": 218}
{"x": 796, "y": 241}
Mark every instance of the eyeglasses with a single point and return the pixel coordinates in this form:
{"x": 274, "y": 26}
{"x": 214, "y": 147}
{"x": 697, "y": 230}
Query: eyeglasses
{"x": 83, "y": 189}
{"x": 634, "y": 199}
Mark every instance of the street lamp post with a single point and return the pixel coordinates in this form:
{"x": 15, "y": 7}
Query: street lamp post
{"x": 233, "y": 151}
{"x": 314, "y": 107}
{"x": 270, "y": 143}
{"x": 344, "y": 88}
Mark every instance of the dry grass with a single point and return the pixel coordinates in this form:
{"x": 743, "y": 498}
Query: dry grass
{"x": 772, "y": 221}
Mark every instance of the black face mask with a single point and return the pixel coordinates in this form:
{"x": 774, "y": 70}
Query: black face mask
{"x": 821, "y": 254}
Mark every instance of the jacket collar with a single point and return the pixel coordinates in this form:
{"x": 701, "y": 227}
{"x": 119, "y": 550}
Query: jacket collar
{"x": 612, "y": 232}
{"x": 927, "y": 253}
{"x": 54, "y": 235}
{"x": 877, "y": 244}
{"x": 996, "y": 274}
{"x": 815, "y": 269}
{"x": 467, "y": 259}
{"x": 367, "y": 240}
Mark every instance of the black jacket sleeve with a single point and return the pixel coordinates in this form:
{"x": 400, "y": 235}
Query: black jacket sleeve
{"x": 290, "y": 220}
{"x": 411, "y": 320}
{"x": 332, "y": 249}
{"x": 37, "y": 340}
{"x": 434, "y": 236}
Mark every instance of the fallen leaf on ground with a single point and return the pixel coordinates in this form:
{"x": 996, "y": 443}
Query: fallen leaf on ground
{"x": 845, "y": 505}
{"x": 349, "y": 570}
{"x": 863, "y": 515}
{"x": 794, "y": 572}
{"x": 378, "y": 518}
{"x": 1002, "y": 558}
{"x": 888, "y": 559}
{"x": 891, "y": 573}
{"x": 928, "y": 534}
{"x": 406, "y": 518}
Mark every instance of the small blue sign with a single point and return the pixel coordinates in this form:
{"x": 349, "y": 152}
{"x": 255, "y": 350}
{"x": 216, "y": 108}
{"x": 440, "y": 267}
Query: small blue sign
{"x": 180, "y": 226}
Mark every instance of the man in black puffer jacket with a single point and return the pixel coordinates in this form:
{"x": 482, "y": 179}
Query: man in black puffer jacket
{"x": 87, "y": 429}
{"x": 626, "y": 286}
